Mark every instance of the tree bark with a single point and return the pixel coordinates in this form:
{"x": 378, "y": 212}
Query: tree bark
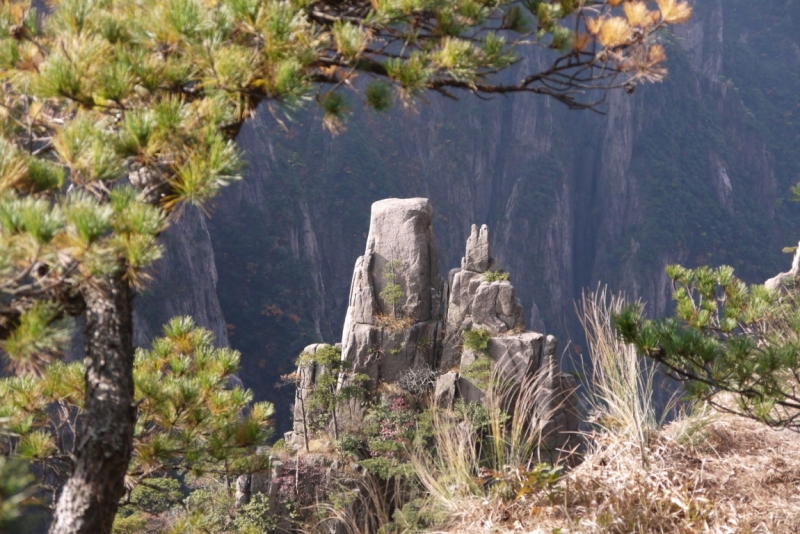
{"x": 90, "y": 498}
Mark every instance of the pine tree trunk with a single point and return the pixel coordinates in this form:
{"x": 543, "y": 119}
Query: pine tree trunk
{"x": 90, "y": 497}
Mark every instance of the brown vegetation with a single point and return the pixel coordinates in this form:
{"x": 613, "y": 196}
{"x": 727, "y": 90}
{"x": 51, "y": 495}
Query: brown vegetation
{"x": 705, "y": 472}
{"x": 392, "y": 323}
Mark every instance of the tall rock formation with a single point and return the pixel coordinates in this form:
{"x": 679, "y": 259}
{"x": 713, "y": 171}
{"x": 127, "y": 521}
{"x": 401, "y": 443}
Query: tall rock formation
{"x": 474, "y": 302}
{"x": 385, "y": 340}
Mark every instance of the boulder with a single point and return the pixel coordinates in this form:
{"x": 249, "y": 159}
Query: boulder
{"x": 402, "y": 230}
{"x": 783, "y": 279}
{"x": 305, "y": 384}
{"x": 445, "y": 390}
{"x": 363, "y": 302}
{"x": 495, "y": 308}
{"x": 469, "y": 392}
{"x": 462, "y": 291}
{"x": 385, "y": 354}
{"x": 518, "y": 356}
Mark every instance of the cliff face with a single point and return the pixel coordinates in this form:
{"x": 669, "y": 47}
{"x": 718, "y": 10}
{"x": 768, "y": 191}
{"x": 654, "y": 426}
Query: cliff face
{"x": 692, "y": 170}
{"x": 184, "y": 282}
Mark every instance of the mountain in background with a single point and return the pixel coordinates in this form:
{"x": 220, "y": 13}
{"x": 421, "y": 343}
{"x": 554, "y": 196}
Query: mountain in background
{"x": 696, "y": 170}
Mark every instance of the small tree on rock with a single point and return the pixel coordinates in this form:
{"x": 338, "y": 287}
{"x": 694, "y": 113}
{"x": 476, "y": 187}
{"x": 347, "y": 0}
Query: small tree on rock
{"x": 392, "y": 292}
{"x": 193, "y": 419}
{"x": 333, "y": 386}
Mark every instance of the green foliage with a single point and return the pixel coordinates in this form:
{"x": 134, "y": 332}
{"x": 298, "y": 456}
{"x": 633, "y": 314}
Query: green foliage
{"x": 156, "y": 495}
{"x": 256, "y": 515}
{"x": 477, "y": 414}
{"x": 379, "y": 96}
{"x": 327, "y": 394}
{"x": 414, "y": 516}
{"x": 726, "y": 337}
{"x": 15, "y": 488}
{"x": 38, "y": 337}
{"x": 496, "y": 276}
{"x": 132, "y": 524}
{"x": 189, "y": 420}
{"x": 479, "y": 372}
{"x": 209, "y": 508}
{"x": 350, "y": 444}
{"x": 476, "y": 339}
{"x": 386, "y": 468}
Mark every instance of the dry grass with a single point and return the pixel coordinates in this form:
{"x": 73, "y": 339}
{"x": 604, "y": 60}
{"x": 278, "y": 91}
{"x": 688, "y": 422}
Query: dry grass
{"x": 393, "y": 324}
{"x": 704, "y": 472}
{"x": 743, "y": 477}
{"x": 520, "y": 329}
{"x": 753, "y": 470}
{"x": 517, "y": 419}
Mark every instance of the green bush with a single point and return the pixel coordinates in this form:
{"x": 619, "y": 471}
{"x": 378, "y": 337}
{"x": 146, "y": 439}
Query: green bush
{"x": 477, "y": 339}
{"x": 475, "y": 413}
{"x": 495, "y": 276}
{"x": 210, "y": 508}
{"x": 256, "y": 516}
{"x": 350, "y": 444}
{"x": 133, "y": 524}
{"x": 479, "y": 372}
{"x": 156, "y": 495}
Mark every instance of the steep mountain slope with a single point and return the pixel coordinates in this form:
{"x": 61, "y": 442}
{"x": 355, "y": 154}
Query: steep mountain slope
{"x": 695, "y": 170}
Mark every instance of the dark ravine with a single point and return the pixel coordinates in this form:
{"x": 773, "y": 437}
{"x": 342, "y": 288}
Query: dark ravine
{"x": 693, "y": 170}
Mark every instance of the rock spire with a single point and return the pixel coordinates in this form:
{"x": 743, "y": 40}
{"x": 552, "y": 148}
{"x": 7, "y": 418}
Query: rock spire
{"x": 424, "y": 324}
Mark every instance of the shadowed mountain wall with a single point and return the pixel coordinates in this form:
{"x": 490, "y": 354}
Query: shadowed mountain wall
{"x": 695, "y": 170}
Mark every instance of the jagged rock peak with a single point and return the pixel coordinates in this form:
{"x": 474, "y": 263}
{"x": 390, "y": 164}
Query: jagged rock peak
{"x": 478, "y": 255}
{"x": 385, "y": 338}
{"x": 477, "y": 301}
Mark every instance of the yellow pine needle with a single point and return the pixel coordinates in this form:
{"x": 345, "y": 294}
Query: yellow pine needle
{"x": 674, "y": 12}
{"x": 581, "y": 41}
{"x": 656, "y": 55}
{"x": 610, "y": 31}
{"x": 638, "y": 14}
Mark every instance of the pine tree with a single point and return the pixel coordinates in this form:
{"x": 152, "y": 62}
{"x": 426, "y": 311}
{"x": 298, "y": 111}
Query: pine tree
{"x": 726, "y": 337}
{"x": 15, "y": 488}
{"x": 116, "y": 113}
{"x": 192, "y": 417}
